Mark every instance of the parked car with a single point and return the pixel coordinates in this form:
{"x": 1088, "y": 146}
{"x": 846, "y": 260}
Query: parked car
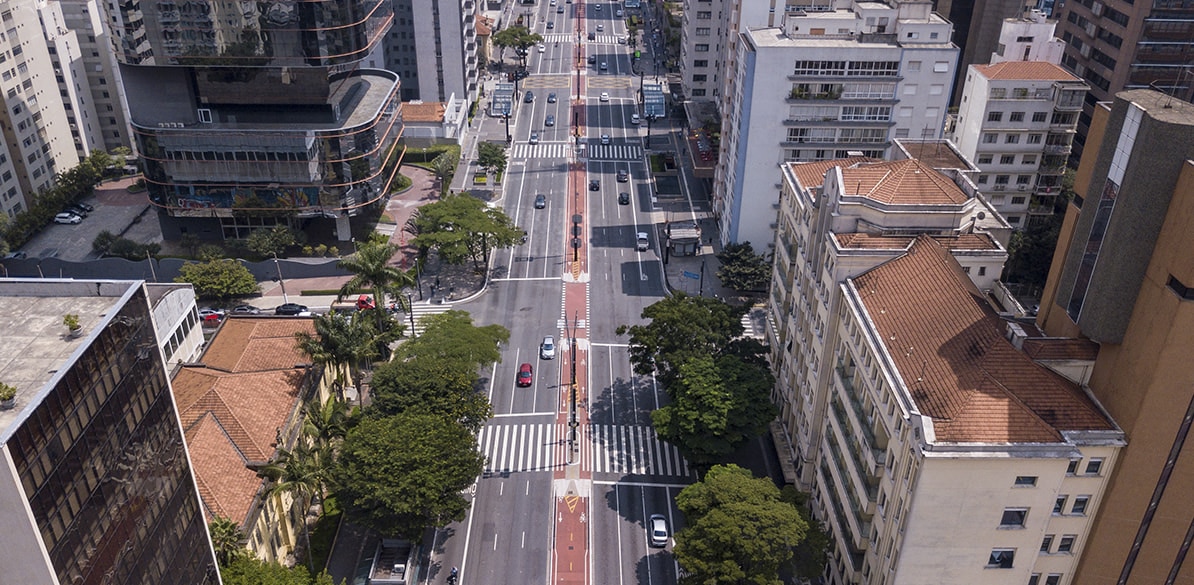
{"x": 540, "y": 201}
{"x": 86, "y": 206}
{"x": 246, "y": 310}
{"x": 67, "y": 217}
{"x": 75, "y": 209}
{"x": 525, "y": 376}
{"x": 623, "y": 175}
{"x": 209, "y": 315}
{"x": 365, "y": 302}
{"x": 291, "y": 309}
{"x": 658, "y": 529}
{"x": 594, "y": 184}
{"x": 623, "y": 198}
{"x": 547, "y": 349}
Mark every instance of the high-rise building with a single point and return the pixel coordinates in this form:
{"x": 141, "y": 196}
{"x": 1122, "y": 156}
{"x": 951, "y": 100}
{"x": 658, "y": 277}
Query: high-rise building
{"x": 824, "y": 86}
{"x": 1122, "y": 277}
{"x": 935, "y": 448}
{"x": 432, "y": 46}
{"x": 1016, "y": 123}
{"x": 88, "y": 72}
{"x": 95, "y": 485}
{"x": 37, "y": 137}
{"x": 248, "y": 115}
{"x": 1127, "y": 44}
{"x": 709, "y": 40}
{"x": 977, "y": 25}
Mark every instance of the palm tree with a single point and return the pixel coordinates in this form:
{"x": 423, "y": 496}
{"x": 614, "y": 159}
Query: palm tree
{"x": 444, "y": 166}
{"x": 371, "y": 268}
{"x": 340, "y": 343}
{"x": 305, "y": 473}
{"x": 227, "y": 539}
{"x": 327, "y": 424}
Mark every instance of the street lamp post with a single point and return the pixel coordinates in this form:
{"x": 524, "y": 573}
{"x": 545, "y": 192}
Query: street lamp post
{"x": 281, "y": 281}
{"x": 572, "y": 422}
{"x": 410, "y": 310}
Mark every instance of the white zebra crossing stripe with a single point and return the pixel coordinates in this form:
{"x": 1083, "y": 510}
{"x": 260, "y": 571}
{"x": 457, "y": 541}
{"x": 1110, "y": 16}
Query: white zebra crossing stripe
{"x": 621, "y": 152}
{"x": 518, "y": 448}
{"x": 553, "y": 150}
{"x": 422, "y": 309}
{"x": 634, "y": 450}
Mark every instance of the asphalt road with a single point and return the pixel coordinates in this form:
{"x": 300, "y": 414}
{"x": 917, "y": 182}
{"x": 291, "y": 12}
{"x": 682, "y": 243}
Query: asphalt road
{"x": 508, "y": 537}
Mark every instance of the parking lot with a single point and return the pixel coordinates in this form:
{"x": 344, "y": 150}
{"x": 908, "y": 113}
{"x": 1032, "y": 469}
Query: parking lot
{"x": 116, "y": 210}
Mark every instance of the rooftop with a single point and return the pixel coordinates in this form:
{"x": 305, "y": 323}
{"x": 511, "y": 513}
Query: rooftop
{"x": 236, "y": 404}
{"x": 901, "y": 182}
{"x": 939, "y": 154}
{"x": 35, "y": 347}
{"x": 863, "y": 241}
{"x": 1061, "y": 349}
{"x": 948, "y": 348}
{"x": 423, "y": 112}
{"x": 1026, "y": 70}
{"x": 812, "y": 174}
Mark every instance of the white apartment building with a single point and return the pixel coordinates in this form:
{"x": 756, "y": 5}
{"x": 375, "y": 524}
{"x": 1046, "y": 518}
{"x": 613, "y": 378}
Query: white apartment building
{"x": 95, "y": 104}
{"x": 432, "y": 46}
{"x": 37, "y": 139}
{"x": 1029, "y": 38}
{"x": 1017, "y": 121}
{"x": 826, "y": 85}
{"x": 936, "y": 450}
{"x": 709, "y": 39}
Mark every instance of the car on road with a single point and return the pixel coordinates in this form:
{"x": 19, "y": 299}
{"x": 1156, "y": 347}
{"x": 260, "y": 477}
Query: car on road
{"x": 67, "y": 217}
{"x": 620, "y": 13}
{"x": 623, "y": 175}
{"x": 594, "y": 184}
{"x": 604, "y": 66}
{"x": 551, "y": 98}
{"x": 291, "y": 309}
{"x": 634, "y": 119}
{"x": 18, "y": 255}
{"x": 365, "y": 302}
{"x": 622, "y": 40}
{"x": 525, "y": 377}
{"x": 597, "y": 7}
{"x": 543, "y": 48}
{"x": 529, "y": 97}
{"x": 209, "y": 315}
{"x": 547, "y": 349}
{"x": 540, "y": 201}
{"x": 600, "y": 27}
{"x": 592, "y": 58}
{"x": 553, "y": 3}
{"x": 559, "y": 10}
{"x": 657, "y": 527}
{"x": 605, "y": 139}
{"x": 623, "y": 198}
{"x": 550, "y": 25}
{"x": 641, "y": 242}
{"x": 550, "y": 120}
{"x": 534, "y": 138}
{"x": 592, "y": 36}
{"x": 246, "y": 310}
{"x": 605, "y": 96}
{"x": 75, "y": 209}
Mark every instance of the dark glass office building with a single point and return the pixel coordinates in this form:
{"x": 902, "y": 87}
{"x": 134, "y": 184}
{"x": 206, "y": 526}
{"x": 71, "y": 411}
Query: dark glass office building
{"x": 95, "y": 486}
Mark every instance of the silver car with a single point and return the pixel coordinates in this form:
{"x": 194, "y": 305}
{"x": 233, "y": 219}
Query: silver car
{"x": 657, "y": 528}
{"x": 547, "y": 349}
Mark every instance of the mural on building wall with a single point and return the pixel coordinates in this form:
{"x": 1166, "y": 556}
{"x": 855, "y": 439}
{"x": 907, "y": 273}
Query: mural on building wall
{"x": 200, "y": 197}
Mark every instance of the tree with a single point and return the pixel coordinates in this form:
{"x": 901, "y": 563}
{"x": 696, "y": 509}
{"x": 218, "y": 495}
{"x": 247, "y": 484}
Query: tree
{"x": 451, "y": 336}
{"x": 340, "y": 343}
{"x": 406, "y": 472}
{"x": 227, "y": 539}
{"x": 461, "y": 227}
{"x": 267, "y": 242}
{"x": 491, "y": 157}
{"x": 518, "y": 37}
{"x": 681, "y": 327}
{"x": 811, "y": 555}
{"x": 218, "y": 279}
{"x": 252, "y": 571}
{"x": 440, "y": 387}
{"x": 327, "y": 423}
{"x": 103, "y": 242}
{"x": 444, "y": 166}
{"x": 740, "y": 529}
{"x": 304, "y": 472}
{"x": 717, "y": 404}
{"x": 371, "y": 269}
{"x": 742, "y": 269}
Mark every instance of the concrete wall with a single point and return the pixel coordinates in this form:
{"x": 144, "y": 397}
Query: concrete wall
{"x": 163, "y": 270}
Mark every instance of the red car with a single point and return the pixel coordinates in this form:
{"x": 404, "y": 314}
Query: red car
{"x": 525, "y": 376}
{"x": 365, "y": 302}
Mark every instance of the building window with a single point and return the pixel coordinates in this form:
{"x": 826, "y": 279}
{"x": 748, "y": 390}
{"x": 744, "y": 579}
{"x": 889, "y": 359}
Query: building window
{"x": 1012, "y": 139}
{"x": 705, "y": 15}
{"x": 1040, "y": 116}
{"x": 1002, "y": 179}
{"x": 913, "y": 66}
{"x": 1012, "y": 517}
{"x": 1025, "y": 481}
{"x": 1001, "y": 558}
{"x": 994, "y": 116}
{"x": 1066, "y": 544}
{"x": 700, "y": 63}
{"x": 982, "y": 270}
{"x": 1014, "y": 219}
{"x": 985, "y": 159}
{"x": 1059, "y": 504}
{"x": 699, "y": 78}
{"x": 990, "y": 138}
{"x": 1094, "y": 466}
{"x": 1007, "y": 159}
{"x": 1080, "y": 503}
{"x": 1028, "y": 159}
{"x": 1017, "y": 201}
{"x": 1047, "y": 543}
{"x": 998, "y": 93}
{"x": 936, "y": 89}
{"x": 1016, "y": 117}
{"x": 702, "y": 31}
{"x": 704, "y": 48}
{"x": 982, "y": 179}
{"x": 698, "y": 92}
{"x": 1054, "y": 579}
{"x": 1034, "y": 579}
{"x": 941, "y": 67}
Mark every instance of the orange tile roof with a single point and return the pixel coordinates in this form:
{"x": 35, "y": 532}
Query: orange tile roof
{"x": 231, "y": 411}
{"x": 1026, "y": 70}
{"x": 484, "y": 26}
{"x": 859, "y": 240}
{"x": 948, "y": 345}
{"x": 812, "y": 174}
{"x": 901, "y": 182}
{"x": 423, "y": 111}
{"x": 1054, "y": 348}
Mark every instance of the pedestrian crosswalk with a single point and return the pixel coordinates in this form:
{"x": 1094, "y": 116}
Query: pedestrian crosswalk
{"x": 610, "y": 82}
{"x": 619, "y": 152}
{"x": 422, "y": 309}
{"x": 618, "y": 449}
{"x": 541, "y": 150}
{"x": 548, "y": 81}
{"x": 571, "y": 36}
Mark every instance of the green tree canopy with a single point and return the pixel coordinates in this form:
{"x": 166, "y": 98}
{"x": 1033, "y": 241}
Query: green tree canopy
{"x": 404, "y": 473}
{"x": 340, "y": 343}
{"x": 252, "y": 571}
{"x": 491, "y": 156}
{"x": 519, "y": 37}
{"x": 267, "y": 242}
{"x": 461, "y": 227}
{"x": 681, "y": 327}
{"x": 739, "y": 529}
{"x": 452, "y": 337}
{"x": 218, "y": 279}
{"x": 227, "y": 539}
{"x": 811, "y": 555}
{"x": 717, "y": 404}
{"x": 742, "y": 269}
{"x": 371, "y": 269}
{"x": 442, "y": 387}
{"x": 444, "y": 166}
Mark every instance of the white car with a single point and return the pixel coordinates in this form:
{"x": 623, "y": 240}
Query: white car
{"x": 542, "y": 48}
{"x": 658, "y": 530}
{"x": 641, "y": 242}
{"x": 600, "y": 27}
{"x": 634, "y": 119}
{"x": 547, "y": 349}
{"x": 605, "y": 139}
{"x": 620, "y": 13}
{"x": 605, "y": 96}
{"x": 67, "y": 218}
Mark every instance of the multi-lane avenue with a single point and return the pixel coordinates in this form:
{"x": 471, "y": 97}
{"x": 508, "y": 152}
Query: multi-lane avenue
{"x": 554, "y": 506}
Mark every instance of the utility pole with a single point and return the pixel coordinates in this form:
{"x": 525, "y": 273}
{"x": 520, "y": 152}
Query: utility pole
{"x": 281, "y": 281}
{"x": 572, "y": 423}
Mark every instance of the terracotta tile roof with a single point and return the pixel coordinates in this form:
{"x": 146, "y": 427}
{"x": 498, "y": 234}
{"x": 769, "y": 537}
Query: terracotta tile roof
{"x": 1054, "y": 348}
{"x": 1027, "y": 70}
{"x": 484, "y": 26}
{"x": 901, "y": 182}
{"x": 812, "y": 174}
{"x": 232, "y": 409}
{"x": 948, "y": 346}
{"x": 423, "y": 111}
{"x": 858, "y": 240}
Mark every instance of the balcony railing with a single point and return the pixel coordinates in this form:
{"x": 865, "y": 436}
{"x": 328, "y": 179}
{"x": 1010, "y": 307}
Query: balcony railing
{"x": 1058, "y": 148}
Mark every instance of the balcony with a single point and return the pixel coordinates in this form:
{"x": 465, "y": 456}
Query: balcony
{"x": 797, "y": 95}
{"x": 861, "y": 468}
{"x": 855, "y": 556}
{"x": 1060, "y": 149}
{"x": 1040, "y": 209}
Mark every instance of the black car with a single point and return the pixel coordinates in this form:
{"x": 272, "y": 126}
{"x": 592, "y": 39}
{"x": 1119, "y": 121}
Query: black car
{"x": 550, "y": 120}
{"x": 75, "y": 209}
{"x": 594, "y": 184}
{"x": 291, "y": 309}
{"x": 540, "y": 201}
{"x": 86, "y": 206}
{"x": 592, "y": 58}
{"x": 529, "y": 97}
{"x": 551, "y": 98}
{"x": 623, "y": 198}
{"x": 592, "y": 36}
{"x": 551, "y": 25}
